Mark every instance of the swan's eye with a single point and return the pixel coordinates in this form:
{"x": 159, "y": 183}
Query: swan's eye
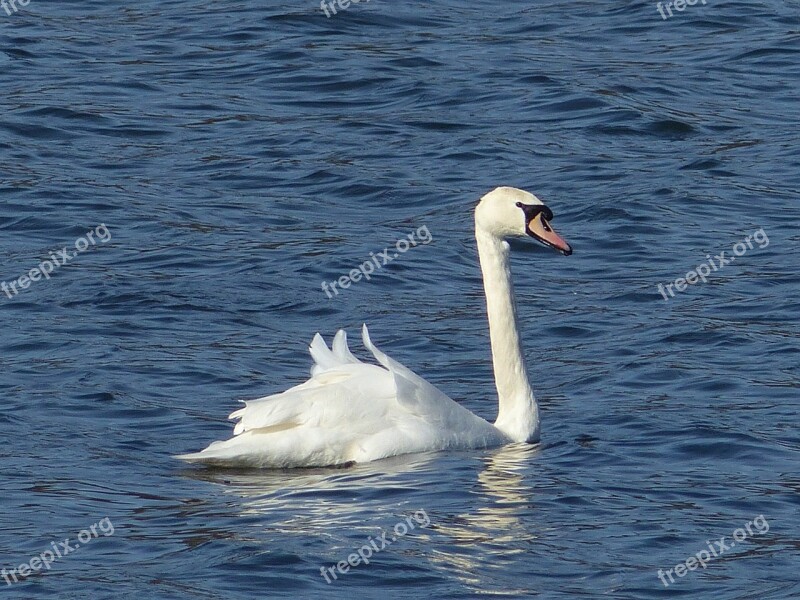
{"x": 532, "y": 210}
{"x": 537, "y": 225}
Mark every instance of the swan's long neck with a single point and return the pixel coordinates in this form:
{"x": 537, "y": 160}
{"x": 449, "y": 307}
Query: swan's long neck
{"x": 518, "y": 416}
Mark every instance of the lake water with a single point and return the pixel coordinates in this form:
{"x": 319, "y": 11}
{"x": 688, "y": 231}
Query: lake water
{"x": 230, "y": 157}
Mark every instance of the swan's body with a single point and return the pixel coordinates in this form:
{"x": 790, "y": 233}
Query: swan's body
{"x": 350, "y": 411}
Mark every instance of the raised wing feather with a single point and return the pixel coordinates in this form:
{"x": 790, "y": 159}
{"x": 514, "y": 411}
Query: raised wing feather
{"x": 347, "y": 411}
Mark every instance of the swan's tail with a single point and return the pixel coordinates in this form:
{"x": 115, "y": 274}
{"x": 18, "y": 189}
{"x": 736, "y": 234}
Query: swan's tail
{"x": 282, "y": 430}
{"x": 326, "y": 358}
{"x": 216, "y": 453}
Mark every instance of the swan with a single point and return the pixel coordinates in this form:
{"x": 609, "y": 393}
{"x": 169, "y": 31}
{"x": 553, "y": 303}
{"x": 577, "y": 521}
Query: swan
{"x": 354, "y": 412}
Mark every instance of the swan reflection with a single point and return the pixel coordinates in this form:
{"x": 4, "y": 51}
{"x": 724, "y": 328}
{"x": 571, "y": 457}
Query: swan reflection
{"x": 332, "y": 504}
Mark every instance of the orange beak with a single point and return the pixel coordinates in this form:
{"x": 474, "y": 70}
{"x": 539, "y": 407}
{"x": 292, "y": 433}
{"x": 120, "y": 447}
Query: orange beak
{"x": 539, "y": 228}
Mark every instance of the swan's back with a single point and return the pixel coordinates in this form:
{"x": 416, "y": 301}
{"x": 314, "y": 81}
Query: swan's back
{"x": 348, "y": 411}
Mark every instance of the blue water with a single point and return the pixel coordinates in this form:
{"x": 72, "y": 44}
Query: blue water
{"x": 240, "y": 154}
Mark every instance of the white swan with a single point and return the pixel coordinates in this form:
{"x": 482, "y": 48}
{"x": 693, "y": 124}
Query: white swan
{"x": 350, "y": 411}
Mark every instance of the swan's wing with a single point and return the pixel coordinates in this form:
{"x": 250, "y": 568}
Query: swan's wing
{"x": 445, "y": 421}
{"x": 347, "y": 411}
{"x": 414, "y": 393}
{"x": 328, "y": 399}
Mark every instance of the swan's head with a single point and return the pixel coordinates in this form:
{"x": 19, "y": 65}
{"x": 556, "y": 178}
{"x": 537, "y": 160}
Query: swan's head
{"x": 511, "y": 212}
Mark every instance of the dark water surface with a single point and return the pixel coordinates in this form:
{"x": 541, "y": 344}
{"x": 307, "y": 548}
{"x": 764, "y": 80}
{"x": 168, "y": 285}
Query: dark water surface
{"x": 241, "y": 153}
